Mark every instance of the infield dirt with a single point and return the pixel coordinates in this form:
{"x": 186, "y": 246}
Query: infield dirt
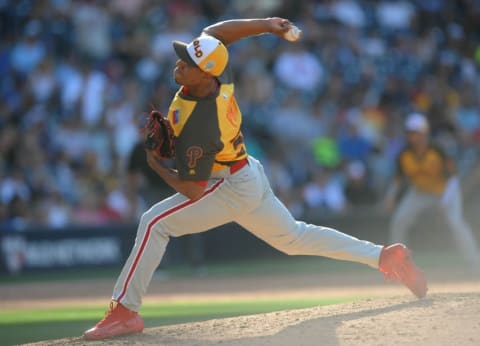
{"x": 449, "y": 315}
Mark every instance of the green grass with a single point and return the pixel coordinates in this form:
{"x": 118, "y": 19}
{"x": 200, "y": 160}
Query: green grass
{"x": 30, "y": 325}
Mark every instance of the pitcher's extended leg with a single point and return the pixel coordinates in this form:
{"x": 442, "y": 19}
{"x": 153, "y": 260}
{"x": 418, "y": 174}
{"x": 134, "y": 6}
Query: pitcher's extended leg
{"x": 274, "y": 224}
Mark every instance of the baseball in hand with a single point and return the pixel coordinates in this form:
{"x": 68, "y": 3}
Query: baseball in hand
{"x": 293, "y": 34}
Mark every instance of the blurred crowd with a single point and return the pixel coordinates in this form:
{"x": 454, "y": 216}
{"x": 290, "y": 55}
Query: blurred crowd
{"x": 325, "y": 116}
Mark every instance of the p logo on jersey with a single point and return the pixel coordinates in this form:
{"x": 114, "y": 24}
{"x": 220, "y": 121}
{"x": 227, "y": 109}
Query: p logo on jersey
{"x": 205, "y": 52}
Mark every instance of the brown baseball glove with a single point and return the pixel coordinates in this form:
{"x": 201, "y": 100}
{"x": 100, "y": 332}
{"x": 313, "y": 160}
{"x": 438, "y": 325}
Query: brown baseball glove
{"x": 159, "y": 135}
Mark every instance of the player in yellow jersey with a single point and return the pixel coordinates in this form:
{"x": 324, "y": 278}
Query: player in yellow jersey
{"x": 217, "y": 182}
{"x": 431, "y": 181}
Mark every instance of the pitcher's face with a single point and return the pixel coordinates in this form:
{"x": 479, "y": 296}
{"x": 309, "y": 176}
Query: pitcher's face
{"x": 185, "y": 74}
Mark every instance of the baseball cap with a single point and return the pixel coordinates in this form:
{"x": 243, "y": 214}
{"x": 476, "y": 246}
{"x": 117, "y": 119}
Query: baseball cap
{"x": 416, "y": 122}
{"x": 206, "y": 52}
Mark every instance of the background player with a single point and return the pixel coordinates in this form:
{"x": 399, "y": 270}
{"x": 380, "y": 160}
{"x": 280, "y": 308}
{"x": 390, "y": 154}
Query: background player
{"x": 430, "y": 180}
{"x": 218, "y": 182}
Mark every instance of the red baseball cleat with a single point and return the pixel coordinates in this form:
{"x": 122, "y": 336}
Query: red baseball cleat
{"x": 118, "y": 321}
{"x": 397, "y": 265}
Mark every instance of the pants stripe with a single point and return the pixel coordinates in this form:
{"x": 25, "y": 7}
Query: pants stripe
{"x": 149, "y": 229}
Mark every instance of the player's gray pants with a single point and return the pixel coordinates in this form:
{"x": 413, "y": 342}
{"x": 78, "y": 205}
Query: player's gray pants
{"x": 246, "y": 198}
{"x": 415, "y": 202}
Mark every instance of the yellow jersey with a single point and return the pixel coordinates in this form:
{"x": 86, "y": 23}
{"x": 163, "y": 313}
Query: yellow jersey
{"x": 207, "y": 131}
{"x": 427, "y": 173}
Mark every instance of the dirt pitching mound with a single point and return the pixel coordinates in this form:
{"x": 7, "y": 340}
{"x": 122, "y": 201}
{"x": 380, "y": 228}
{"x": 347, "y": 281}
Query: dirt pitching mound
{"x": 439, "y": 319}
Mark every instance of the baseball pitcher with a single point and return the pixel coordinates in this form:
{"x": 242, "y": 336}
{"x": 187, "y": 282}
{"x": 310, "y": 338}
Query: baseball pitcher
{"x": 218, "y": 182}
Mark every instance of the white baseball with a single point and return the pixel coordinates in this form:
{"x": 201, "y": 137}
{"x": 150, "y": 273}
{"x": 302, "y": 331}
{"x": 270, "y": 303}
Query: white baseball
{"x": 293, "y": 34}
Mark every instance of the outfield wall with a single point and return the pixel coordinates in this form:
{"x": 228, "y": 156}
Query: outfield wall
{"x": 102, "y": 247}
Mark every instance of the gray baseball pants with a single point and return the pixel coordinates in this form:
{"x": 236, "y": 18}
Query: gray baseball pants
{"x": 244, "y": 197}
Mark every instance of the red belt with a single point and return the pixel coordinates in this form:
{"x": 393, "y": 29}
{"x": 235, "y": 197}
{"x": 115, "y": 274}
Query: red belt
{"x": 238, "y": 165}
